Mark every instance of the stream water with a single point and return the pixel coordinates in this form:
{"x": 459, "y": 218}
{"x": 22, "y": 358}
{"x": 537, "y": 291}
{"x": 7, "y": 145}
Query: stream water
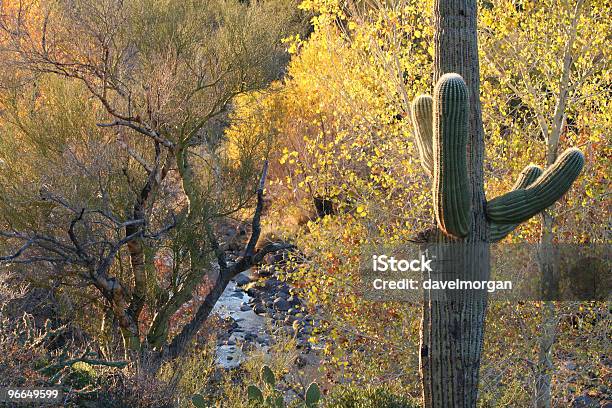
{"x": 250, "y": 326}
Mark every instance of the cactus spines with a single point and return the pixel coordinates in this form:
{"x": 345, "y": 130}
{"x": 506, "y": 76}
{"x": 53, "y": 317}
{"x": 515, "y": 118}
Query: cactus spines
{"x": 451, "y": 190}
{"x": 519, "y": 205}
{"x": 527, "y": 176}
{"x": 422, "y": 120}
{"x": 443, "y": 152}
{"x": 497, "y": 232}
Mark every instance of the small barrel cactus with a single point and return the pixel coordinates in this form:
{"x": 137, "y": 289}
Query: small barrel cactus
{"x": 441, "y": 126}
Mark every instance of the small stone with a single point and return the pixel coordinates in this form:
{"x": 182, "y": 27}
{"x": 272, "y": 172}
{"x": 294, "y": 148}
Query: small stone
{"x": 283, "y": 293}
{"x": 242, "y": 279}
{"x": 266, "y": 271}
{"x": 282, "y": 304}
{"x": 253, "y": 292}
{"x": 584, "y": 402}
{"x": 259, "y": 309}
{"x": 244, "y": 307}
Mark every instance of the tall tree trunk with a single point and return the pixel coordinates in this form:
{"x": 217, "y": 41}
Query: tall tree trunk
{"x": 453, "y": 321}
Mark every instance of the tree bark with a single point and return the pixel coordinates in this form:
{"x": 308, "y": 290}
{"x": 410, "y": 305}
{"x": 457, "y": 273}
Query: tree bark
{"x": 453, "y": 321}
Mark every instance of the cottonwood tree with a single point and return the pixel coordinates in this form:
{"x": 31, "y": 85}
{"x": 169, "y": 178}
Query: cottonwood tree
{"x": 126, "y": 102}
{"x": 550, "y": 59}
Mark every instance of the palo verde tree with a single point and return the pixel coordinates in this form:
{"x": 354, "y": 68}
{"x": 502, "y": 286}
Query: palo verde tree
{"x": 451, "y": 145}
{"x": 123, "y": 104}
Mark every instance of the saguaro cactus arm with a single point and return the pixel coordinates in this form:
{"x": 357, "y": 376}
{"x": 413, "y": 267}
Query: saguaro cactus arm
{"x": 497, "y": 232}
{"x": 451, "y": 198}
{"x": 422, "y": 120}
{"x": 519, "y": 205}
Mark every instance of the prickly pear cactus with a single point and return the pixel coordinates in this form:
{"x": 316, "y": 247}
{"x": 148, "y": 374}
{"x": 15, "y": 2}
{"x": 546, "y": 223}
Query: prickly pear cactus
{"x": 441, "y": 131}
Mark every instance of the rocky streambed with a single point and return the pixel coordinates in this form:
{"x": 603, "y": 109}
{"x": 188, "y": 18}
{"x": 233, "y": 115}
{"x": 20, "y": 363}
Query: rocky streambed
{"x": 256, "y": 308}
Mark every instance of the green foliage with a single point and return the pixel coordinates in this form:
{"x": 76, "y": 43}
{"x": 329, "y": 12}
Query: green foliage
{"x": 313, "y": 395}
{"x": 198, "y": 401}
{"x": 268, "y": 397}
{"x": 81, "y": 375}
{"x": 267, "y": 376}
{"x": 367, "y": 397}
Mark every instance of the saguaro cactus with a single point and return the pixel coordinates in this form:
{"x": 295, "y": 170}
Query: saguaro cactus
{"x": 441, "y": 136}
{"x": 452, "y": 330}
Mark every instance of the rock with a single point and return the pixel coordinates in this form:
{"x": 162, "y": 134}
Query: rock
{"x": 253, "y": 292}
{"x": 570, "y": 365}
{"x": 283, "y": 293}
{"x": 585, "y": 402}
{"x": 242, "y": 279}
{"x": 289, "y": 319}
{"x": 266, "y": 271}
{"x": 238, "y": 294}
{"x": 259, "y": 309}
{"x": 282, "y": 304}
{"x": 278, "y": 316}
{"x": 294, "y": 300}
{"x": 300, "y": 361}
{"x": 244, "y": 307}
{"x": 263, "y": 341}
{"x": 272, "y": 284}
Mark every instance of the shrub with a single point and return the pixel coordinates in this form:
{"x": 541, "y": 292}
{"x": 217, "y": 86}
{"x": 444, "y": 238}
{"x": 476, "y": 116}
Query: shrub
{"x": 367, "y": 397}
